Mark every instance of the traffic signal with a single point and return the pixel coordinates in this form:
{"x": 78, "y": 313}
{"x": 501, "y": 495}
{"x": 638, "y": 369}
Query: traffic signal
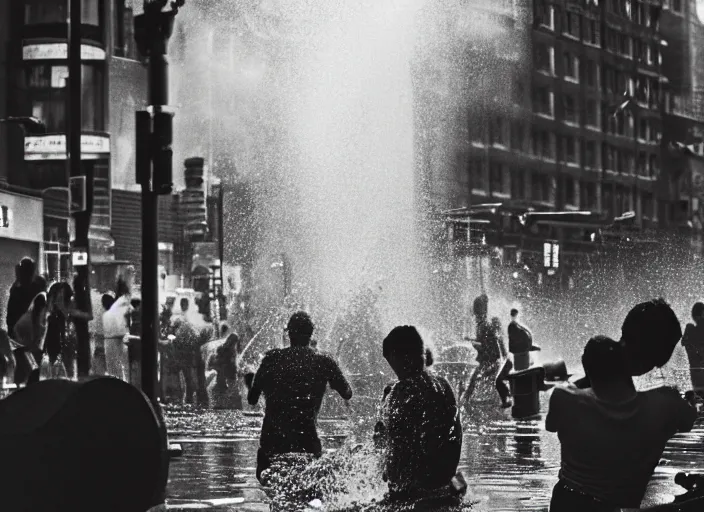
{"x": 193, "y": 199}
{"x": 163, "y": 154}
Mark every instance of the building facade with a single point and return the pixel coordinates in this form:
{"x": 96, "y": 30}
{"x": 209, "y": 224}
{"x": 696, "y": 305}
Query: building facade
{"x": 113, "y": 87}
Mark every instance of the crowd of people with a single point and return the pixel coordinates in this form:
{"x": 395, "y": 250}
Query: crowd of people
{"x": 41, "y": 341}
{"x": 612, "y": 436}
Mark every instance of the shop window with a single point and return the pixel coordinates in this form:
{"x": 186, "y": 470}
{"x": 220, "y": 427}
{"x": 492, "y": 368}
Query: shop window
{"x": 47, "y": 88}
{"x": 123, "y": 23}
{"x": 40, "y": 12}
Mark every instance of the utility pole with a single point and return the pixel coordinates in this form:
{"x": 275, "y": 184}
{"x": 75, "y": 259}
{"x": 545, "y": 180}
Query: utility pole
{"x": 75, "y": 170}
{"x": 154, "y": 164}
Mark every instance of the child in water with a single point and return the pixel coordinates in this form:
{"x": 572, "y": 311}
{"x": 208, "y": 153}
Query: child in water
{"x": 420, "y": 431}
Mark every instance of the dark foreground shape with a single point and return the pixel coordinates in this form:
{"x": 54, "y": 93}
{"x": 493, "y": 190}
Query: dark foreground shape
{"x": 691, "y": 501}
{"x": 90, "y": 446}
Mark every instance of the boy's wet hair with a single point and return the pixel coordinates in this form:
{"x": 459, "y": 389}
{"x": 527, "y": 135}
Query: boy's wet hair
{"x": 650, "y": 334}
{"x": 481, "y": 305}
{"x": 698, "y": 310}
{"x": 604, "y": 358}
{"x": 405, "y": 341}
{"x": 300, "y": 324}
{"x": 514, "y": 312}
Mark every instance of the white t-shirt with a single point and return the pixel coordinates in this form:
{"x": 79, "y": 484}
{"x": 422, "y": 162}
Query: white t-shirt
{"x": 115, "y": 319}
{"x": 610, "y": 450}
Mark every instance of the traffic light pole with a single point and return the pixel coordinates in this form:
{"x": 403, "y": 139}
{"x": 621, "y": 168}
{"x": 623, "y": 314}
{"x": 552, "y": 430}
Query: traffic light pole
{"x": 75, "y": 168}
{"x": 153, "y": 29}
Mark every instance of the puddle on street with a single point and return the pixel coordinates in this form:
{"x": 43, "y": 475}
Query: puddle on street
{"x": 510, "y": 466}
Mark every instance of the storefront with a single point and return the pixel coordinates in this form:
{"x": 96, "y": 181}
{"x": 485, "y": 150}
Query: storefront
{"x": 21, "y": 234}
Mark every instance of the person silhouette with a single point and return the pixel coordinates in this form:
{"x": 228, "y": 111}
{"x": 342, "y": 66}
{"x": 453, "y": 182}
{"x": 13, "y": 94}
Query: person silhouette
{"x": 420, "y": 431}
{"x": 693, "y": 343}
{"x": 611, "y": 436}
{"x": 293, "y": 381}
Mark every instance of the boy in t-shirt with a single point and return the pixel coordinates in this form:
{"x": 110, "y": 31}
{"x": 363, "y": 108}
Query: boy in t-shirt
{"x": 611, "y": 436}
{"x": 421, "y": 432}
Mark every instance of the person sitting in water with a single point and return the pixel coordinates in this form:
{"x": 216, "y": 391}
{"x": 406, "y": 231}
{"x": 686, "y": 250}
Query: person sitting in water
{"x": 611, "y": 436}
{"x": 649, "y": 335}
{"x": 420, "y": 432}
{"x": 293, "y": 381}
{"x": 693, "y": 342}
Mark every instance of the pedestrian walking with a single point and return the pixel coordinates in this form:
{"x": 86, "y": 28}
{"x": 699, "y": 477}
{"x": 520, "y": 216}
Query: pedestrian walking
{"x": 490, "y": 348}
{"x": 115, "y": 329}
{"x": 57, "y": 346}
{"x": 22, "y": 292}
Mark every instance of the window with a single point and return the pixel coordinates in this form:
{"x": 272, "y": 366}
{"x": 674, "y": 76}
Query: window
{"x": 49, "y": 100}
{"x": 653, "y": 168}
{"x": 496, "y": 172}
{"x": 590, "y": 155}
{"x": 45, "y": 76}
{"x": 40, "y": 12}
{"x": 587, "y": 196}
{"x": 517, "y": 136}
{"x": 518, "y": 184}
{"x": 571, "y": 27}
{"x": 543, "y": 144}
{"x": 571, "y": 67}
{"x": 591, "y": 31}
{"x": 590, "y": 72}
{"x": 571, "y": 109}
{"x": 593, "y": 114}
{"x": 540, "y": 187}
{"x": 476, "y": 173}
{"x": 496, "y": 134}
{"x": 544, "y": 101}
{"x": 625, "y": 47}
{"x": 609, "y": 78}
{"x": 544, "y": 15}
{"x": 123, "y": 23}
{"x": 101, "y": 195}
{"x": 93, "y": 98}
{"x": 569, "y": 148}
{"x": 607, "y": 159}
{"x": 570, "y": 196}
{"x": 544, "y": 56}
{"x": 677, "y": 6}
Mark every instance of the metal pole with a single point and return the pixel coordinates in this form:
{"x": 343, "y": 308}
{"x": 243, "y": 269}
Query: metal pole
{"x": 75, "y": 168}
{"x": 154, "y": 173}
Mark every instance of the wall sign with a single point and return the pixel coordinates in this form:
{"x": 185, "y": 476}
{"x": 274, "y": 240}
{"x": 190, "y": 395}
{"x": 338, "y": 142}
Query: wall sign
{"x": 53, "y": 147}
{"x": 59, "y": 51}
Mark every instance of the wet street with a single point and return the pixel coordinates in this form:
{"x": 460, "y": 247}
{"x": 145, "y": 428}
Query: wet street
{"x": 509, "y": 465}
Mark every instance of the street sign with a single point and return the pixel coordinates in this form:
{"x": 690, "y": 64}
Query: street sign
{"x": 77, "y": 194}
{"x": 79, "y": 257}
